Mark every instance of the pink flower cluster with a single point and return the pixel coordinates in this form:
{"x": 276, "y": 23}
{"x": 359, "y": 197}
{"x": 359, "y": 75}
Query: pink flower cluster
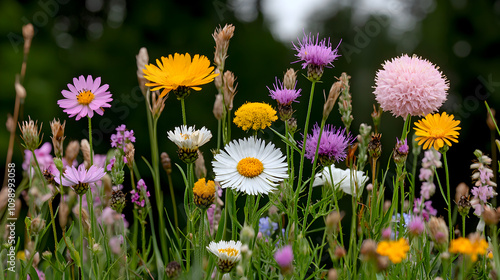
{"x": 138, "y": 197}
{"x": 122, "y": 137}
{"x": 431, "y": 161}
{"x": 483, "y": 187}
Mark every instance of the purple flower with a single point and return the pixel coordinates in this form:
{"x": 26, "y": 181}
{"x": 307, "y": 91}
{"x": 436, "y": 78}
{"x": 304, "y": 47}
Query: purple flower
{"x": 424, "y": 208}
{"x": 332, "y": 147}
{"x": 45, "y": 159}
{"x": 140, "y": 193}
{"x": 85, "y": 97}
{"x": 416, "y": 226}
{"x": 425, "y": 174}
{"x": 267, "y": 227}
{"x": 314, "y": 52}
{"x": 122, "y": 137}
{"x": 111, "y": 164}
{"x": 284, "y": 257}
{"x": 283, "y": 95}
{"x": 427, "y": 190}
{"x": 483, "y": 193}
{"x": 80, "y": 178}
{"x": 402, "y": 147}
{"x": 432, "y": 158}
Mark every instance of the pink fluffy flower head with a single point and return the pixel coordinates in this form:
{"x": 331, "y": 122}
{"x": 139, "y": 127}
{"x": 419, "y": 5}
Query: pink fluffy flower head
{"x": 85, "y": 96}
{"x": 282, "y": 95}
{"x": 332, "y": 147}
{"x": 410, "y": 86}
{"x": 284, "y": 257}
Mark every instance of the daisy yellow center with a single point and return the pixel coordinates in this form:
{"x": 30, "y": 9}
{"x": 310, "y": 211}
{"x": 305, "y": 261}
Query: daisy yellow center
{"x": 85, "y": 97}
{"x": 229, "y": 251}
{"x": 250, "y": 167}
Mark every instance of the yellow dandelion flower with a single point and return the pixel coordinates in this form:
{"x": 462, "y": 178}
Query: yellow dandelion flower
{"x": 437, "y": 130}
{"x": 255, "y": 115}
{"x": 204, "y": 193}
{"x": 395, "y": 250}
{"x": 471, "y": 247}
{"x": 179, "y": 73}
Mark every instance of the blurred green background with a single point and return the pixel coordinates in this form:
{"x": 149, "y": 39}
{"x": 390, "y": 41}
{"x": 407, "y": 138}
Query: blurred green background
{"x": 102, "y": 37}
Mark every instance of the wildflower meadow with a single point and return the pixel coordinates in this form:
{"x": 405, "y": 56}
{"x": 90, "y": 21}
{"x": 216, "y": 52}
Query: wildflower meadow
{"x": 317, "y": 201}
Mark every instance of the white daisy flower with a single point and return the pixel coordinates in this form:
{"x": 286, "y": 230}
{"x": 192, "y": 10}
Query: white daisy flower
{"x": 228, "y": 253}
{"x": 250, "y": 166}
{"x": 189, "y": 140}
{"x": 341, "y": 179}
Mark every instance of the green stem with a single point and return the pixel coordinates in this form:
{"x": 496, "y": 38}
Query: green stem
{"x": 201, "y": 247}
{"x": 125, "y": 247}
{"x": 183, "y": 112}
{"x": 218, "y": 133}
{"x": 315, "y": 161}
{"x": 306, "y": 127}
{"x": 152, "y": 126}
{"x": 53, "y": 223}
{"x": 81, "y": 237}
{"x": 450, "y": 225}
{"x": 336, "y": 206}
{"x": 90, "y": 142}
{"x": 39, "y": 171}
{"x": 174, "y": 204}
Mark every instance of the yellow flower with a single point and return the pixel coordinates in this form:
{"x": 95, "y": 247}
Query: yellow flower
{"x": 255, "y": 115}
{"x": 179, "y": 73}
{"x": 471, "y": 247}
{"x": 437, "y": 130}
{"x": 204, "y": 193}
{"x": 395, "y": 250}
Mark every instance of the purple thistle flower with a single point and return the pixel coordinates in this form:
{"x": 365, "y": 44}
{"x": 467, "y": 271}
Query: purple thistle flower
{"x": 284, "y": 256}
{"x": 283, "y": 95}
{"x": 85, "y": 97}
{"x": 332, "y": 147}
{"x": 314, "y": 52}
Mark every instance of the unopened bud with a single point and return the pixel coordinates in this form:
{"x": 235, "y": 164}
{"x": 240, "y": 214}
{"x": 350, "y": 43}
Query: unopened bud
{"x": 491, "y": 121}
{"x": 129, "y": 154}
{"x": 375, "y": 146}
{"x": 229, "y": 89}
{"x": 247, "y": 234}
{"x": 85, "y": 147}
{"x": 28, "y": 31}
{"x": 490, "y": 216}
{"x": 57, "y": 136}
{"x": 141, "y": 60}
{"x": 332, "y": 274}
{"x": 47, "y": 255}
{"x": 199, "y": 166}
{"x": 166, "y": 163}
{"x": 289, "y": 80}
{"x": 37, "y": 225}
{"x": 173, "y": 270}
{"x": 332, "y": 98}
{"x": 368, "y": 250}
{"x": 20, "y": 90}
{"x": 218, "y": 107}
{"x": 30, "y": 134}
{"x": 72, "y": 151}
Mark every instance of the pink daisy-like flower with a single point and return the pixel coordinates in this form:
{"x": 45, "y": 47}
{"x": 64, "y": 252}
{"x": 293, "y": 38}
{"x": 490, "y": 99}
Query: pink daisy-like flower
{"x": 79, "y": 179}
{"x": 85, "y": 97}
{"x": 282, "y": 95}
{"x": 332, "y": 147}
{"x": 410, "y": 86}
{"x": 315, "y": 52}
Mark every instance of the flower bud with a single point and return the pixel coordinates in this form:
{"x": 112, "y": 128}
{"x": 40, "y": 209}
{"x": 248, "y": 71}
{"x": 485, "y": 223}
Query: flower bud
{"x": 28, "y": 31}
{"x": 490, "y": 215}
{"x": 72, "y": 151}
{"x": 20, "y": 90}
{"x": 289, "y": 80}
{"x": 438, "y": 231}
{"x": 47, "y": 255}
{"x": 142, "y": 59}
{"x": 85, "y": 147}
{"x": 229, "y": 89}
{"x": 332, "y": 274}
{"x": 117, "y": 201}
{"x": 247, "y": 234}
{"x": 37, "y": 225}
{"x": 368, "y": 250}
{"x": 57, "y": 136}
{"x": 129, "y": 154}
{"x": 332, "y": 98}
{"x": 30, "y": 134}
{"x": 173, "y": 270}
{"x": 166, "y": 163}
{"x": 199, "y": 166}
{"x": 375, "y": 147}
{"x": 218, "y": 107}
